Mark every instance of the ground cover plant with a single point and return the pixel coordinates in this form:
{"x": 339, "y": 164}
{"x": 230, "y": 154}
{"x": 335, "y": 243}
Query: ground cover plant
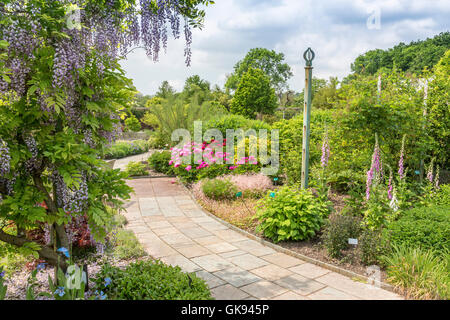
{"x": 122, "y": 149}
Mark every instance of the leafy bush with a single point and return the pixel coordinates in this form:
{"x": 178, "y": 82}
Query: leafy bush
{"x": 235, "y": 122}
{"x": 122, "y": 149}
{"x": 151, "y": 280}
{"x": 218, "y": 189}
{"x": 150, "y": 120}
{"x": 126, "y": 245}
{"x": 159, "y": 161}
{"x": 136, "y": 169}
{"x": 291, "y": 214}
{"x": 372, "y": 245}
{"x": 425, "y": 227}
{"x": 338, "y": 229}
{"x": 421, "y": 272}
{"x": 132, "y": 123}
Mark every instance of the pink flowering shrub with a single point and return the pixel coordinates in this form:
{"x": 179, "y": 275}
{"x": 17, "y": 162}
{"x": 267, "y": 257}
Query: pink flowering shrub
{"x": 212, "y": 161}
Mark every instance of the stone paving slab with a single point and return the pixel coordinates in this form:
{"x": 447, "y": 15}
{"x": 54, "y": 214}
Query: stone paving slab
{"x": 171, "y": 227}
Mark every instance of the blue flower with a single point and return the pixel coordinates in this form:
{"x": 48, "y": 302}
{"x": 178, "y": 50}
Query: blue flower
{"x": 107, "y": 281}
{"x": 239, "y": 194}
{"x": 100, "y": 296}
{"x": 272, "y": 194}
{"x": 60, "y": 291}
{"x": 41, "y": 266}
{"x": 2, "y": 274}
{"x": 64, "y": 251}
{"x": 417, "y": 172}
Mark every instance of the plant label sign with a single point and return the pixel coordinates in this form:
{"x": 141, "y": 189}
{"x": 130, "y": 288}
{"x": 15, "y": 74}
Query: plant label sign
{"x": 353, "y": 241}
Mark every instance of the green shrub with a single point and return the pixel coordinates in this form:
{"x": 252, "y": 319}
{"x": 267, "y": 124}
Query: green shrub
{"x": 148, "y": 280}
{"x": 159, "y": 161}
{"x": 291, "y": 213}
{"x": 372, "y": 245}
{"x": 338, "y": 229}
{"x": 132, "y": 123}
{"x": 422, "y": 273}
{"x": 122, "y": 149}
{"x": 218, "y": 189}
{"x": 136, "y": 169}
{"x": 126, "y": 245}
{"x": 235, "y": 122}
{"x": 425, "y": 227}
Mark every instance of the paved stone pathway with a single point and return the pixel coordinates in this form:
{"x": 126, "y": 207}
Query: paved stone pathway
{"x": 173, "y": 228}
{"x": 122, "y": 163}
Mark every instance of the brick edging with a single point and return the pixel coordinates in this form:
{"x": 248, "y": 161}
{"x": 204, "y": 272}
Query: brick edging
{"x": 276, "y": 247}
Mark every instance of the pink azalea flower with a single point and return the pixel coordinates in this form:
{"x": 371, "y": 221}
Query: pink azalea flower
{"x": 188, "y": 168}
{"x": 170, "y": 162}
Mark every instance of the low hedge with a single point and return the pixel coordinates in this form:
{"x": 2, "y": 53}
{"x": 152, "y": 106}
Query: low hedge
{"x": 425, "y": 227}
{"x": 150, "y": 280}
{"x": 122, "y": 149}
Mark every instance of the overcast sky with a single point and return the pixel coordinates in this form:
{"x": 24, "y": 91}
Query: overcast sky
{"x": 338, "y": 31}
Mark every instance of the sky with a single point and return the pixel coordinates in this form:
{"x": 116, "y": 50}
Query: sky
{"x": 338, "y": 31}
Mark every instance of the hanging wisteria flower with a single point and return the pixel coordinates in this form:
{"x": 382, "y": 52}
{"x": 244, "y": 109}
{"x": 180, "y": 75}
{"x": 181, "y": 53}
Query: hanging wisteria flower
{"x": 5, "y": 159}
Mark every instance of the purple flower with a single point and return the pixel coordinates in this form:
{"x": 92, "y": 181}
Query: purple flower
{"x": 390, "y": 188}
{"x": 325, "y": 152}
{"x": 2, "y": 274}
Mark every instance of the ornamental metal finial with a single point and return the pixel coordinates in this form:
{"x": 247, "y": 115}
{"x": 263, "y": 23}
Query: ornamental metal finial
{"x": 309, "y": 57}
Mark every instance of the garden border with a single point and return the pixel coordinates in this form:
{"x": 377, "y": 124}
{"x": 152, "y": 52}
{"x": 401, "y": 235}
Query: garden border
{"x": 351, "y": 274}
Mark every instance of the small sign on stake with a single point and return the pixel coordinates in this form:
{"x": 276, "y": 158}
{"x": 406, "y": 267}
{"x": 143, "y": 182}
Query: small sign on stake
{"x": 353, "y": 241}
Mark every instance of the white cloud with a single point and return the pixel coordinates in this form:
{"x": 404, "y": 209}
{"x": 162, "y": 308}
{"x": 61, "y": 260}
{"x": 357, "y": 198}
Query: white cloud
{"x": 336, "y": 30}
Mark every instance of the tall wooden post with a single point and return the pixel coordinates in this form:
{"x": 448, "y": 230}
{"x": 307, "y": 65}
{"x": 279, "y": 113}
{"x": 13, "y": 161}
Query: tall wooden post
{"x": 308, "y": 56}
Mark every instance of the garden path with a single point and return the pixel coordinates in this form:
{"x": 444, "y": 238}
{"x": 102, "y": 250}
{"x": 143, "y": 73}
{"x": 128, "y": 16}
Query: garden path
{"x": 173, "y": 228}
{"x": 122, "y": 163}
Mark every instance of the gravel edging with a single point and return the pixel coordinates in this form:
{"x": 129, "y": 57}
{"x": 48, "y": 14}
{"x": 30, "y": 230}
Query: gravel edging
{"x": 278, "y": 248}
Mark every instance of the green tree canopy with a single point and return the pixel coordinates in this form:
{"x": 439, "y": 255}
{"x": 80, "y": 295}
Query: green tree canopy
{"x": 196, "y": 88}
{"x": 270, "y": 62}
{"x": 254, "y": 95}
{"x": 413, "y": 58}
{"x": 165, "y": 91}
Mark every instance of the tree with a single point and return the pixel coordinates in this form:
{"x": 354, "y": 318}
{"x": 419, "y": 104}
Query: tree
{"x": 323, "y": 98}
{"x": 254, "y": 95}
{"x": 412, "y": 58}
{"x": 165, "y": 91}
{"x": 196, "y": 88}
{"x": 62, "y": 92}
{"x": 270, "y": 62}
